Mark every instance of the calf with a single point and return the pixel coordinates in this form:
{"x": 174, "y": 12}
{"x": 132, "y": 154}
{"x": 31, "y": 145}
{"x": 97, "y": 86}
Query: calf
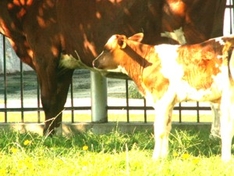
{"x": 167, "y": 74}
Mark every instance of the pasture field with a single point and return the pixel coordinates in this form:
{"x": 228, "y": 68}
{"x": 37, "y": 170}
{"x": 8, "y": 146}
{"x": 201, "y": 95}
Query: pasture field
{"x": 115, "y": 153}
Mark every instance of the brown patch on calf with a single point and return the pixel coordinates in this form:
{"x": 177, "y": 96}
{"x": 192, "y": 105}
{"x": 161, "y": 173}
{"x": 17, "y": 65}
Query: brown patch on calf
{"x": 153, "y": 79}
{"x": 200, "y": 64}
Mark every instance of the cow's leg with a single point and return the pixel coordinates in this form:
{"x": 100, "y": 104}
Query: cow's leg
{"x": 215, "y": 126}
{"x": 162, "y": 127}
{"x": 54, "y": 88}
{"x": 63, "y": 83}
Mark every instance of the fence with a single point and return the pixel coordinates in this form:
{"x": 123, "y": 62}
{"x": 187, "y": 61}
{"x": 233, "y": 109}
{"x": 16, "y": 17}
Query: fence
{"x": 20, "y": 95}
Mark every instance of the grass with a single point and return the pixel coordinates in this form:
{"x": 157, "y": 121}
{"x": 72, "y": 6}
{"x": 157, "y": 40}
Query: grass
{"x": 191, "y": 153}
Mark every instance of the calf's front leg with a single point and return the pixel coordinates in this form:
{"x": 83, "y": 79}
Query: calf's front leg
{"x": 162, "y": 128}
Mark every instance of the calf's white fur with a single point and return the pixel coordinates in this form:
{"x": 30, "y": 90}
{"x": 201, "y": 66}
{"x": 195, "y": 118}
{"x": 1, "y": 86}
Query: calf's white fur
{"x": 168, "y": 74}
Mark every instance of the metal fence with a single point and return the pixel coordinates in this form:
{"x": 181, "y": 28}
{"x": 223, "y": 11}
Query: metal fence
{"x": 20, "y": 95}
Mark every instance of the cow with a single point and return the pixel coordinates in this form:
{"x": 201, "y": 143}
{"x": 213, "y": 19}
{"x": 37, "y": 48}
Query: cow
{"x": 167, "y": 74}
{"x": 55, "y": 37}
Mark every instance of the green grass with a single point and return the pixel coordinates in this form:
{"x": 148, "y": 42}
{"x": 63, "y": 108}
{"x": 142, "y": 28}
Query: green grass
{"x": 191, "y": 153}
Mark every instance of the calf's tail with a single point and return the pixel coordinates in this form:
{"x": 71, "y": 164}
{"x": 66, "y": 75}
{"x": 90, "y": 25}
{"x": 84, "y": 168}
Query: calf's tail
{"x": 231, "y": 64}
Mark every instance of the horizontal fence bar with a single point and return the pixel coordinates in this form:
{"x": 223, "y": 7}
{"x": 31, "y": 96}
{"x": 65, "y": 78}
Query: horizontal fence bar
{"x": 151, "y": 108}
{"x": 109, "y": 108}
{"x": 40, "y": 109}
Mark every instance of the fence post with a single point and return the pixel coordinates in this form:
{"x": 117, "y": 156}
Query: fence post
{"x": 98, "y": 97}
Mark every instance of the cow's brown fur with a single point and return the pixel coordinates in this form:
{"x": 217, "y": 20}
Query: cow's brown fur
{"x": 42, "y": 31}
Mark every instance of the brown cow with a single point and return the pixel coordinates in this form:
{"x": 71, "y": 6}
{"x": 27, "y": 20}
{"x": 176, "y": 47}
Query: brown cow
{"x": 52, "y": 35}
{"x": 167, "y": 74}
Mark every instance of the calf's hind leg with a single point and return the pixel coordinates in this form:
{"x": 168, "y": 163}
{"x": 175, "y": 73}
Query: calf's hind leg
{"x": 227, "y": 124}
{"x": 215, "y": 126}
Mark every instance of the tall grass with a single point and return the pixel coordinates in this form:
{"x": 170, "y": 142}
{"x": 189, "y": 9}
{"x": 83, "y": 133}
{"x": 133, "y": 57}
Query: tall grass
{"x": 191, "y": 153}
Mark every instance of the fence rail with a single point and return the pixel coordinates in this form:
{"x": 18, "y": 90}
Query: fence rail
{"x": 22, "y": 83}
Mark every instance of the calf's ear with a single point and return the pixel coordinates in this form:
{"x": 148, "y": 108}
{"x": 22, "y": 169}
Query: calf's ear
{"x": 137, "y": 37}
{"x": 121, "y": 42}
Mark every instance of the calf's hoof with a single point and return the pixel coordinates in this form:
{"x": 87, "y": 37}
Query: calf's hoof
{"x": 215, "y": 135}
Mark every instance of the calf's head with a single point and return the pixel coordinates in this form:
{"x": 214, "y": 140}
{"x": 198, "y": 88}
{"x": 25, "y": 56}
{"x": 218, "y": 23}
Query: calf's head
{"x": 114, "y": 52}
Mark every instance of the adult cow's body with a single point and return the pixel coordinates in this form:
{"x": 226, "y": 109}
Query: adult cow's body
{"x": 47, "y": 33}
{"x": 168, "y": 74}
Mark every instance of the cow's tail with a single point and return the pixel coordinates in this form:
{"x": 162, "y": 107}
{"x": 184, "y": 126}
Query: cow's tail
{"x": 231, "y": 64}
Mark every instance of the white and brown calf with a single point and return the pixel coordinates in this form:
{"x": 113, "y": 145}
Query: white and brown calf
{"x": 167, "y": 74}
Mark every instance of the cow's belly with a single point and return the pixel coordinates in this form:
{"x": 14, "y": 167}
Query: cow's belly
{"x": 184, "y": 92}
